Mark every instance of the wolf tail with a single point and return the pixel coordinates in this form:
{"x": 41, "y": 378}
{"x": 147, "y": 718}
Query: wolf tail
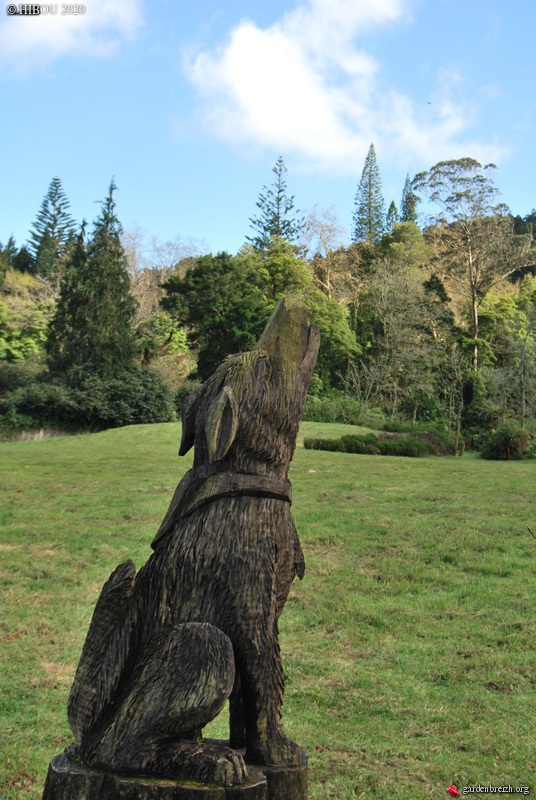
{"x": 105, "y": 653}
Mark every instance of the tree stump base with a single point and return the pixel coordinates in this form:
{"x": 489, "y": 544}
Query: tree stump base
{"x": 70, "y": 779}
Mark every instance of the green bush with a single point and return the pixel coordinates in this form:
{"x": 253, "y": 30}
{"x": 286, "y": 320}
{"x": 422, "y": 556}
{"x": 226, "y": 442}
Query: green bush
{"x": 371, "y": 445}
{"x": 366, "y": 445}
{"x": 322, "y": 444}
{"x": 510, "y": 442}
{"x": 411, "y": 448}
{"x": 137, "y": 396}
{"x": 442, "y": 442}
{"x": 13, "y": 423}
{"x": 335, "y": 407}
{"x": 47, "y": 404}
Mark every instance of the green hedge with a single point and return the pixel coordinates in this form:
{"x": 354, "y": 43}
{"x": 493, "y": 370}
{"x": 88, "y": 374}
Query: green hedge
{"x": 443, "y": 441}
{"x": 371, "y": 445}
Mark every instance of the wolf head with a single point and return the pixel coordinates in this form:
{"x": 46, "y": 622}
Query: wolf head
{"x": 245, "y": 417}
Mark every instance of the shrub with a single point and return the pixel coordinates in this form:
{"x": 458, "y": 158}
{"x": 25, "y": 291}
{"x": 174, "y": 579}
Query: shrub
{"x": 366, "y": 445}
{"x": 442, "y": 442}
{"x": 138, "y": 396}
{"x": 336, "y": 407}
{"x": 47, "y": 404}
{"x": 322, "y": 444}
{"x": 371, "y": 445}
{"x": 13, "y": 423}
{"x": 508, "y": 443}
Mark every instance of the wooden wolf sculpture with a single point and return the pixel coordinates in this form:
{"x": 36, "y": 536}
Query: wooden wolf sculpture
{"x": 198, "y": 623}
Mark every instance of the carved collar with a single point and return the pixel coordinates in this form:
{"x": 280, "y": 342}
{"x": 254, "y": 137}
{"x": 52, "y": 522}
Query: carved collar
{"x": 194, "y": 492}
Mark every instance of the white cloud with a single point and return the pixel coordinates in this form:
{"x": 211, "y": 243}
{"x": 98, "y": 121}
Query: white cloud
{"x": 30, "y": 42}
{"x": 305, "y": 86}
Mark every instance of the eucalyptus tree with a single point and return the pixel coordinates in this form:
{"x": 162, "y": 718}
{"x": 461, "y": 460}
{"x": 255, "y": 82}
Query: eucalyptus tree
{"x": 473, "y": 235}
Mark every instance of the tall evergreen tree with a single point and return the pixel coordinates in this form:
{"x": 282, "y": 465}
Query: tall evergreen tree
{"x": 369, "y": 214}
{"x": 51, "y": 231}
{"x": 276, "y": 218}
{"x": 91, "y": 332}
{"x": 408, "y": 206}
{"x": 392, "y": 218}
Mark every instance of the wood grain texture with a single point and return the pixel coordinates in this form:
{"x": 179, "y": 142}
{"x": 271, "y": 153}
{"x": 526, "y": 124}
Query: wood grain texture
{"x": 198, "y": 623}
{"x": 68, "y": 779}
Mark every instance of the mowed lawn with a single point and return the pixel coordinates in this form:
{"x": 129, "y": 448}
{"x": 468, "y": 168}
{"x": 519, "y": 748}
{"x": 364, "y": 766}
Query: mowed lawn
{"x": 409, "y": 648}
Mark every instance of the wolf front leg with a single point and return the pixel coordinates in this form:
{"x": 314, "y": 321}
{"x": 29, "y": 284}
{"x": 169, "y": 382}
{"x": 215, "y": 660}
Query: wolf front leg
{"x": 259, "y": 702}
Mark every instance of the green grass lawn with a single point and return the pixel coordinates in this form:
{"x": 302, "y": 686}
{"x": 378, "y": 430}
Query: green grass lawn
{"x": 408, "y": 648}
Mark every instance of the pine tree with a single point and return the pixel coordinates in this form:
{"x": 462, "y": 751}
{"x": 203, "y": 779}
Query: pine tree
{"x": 276, "y": 218}
{"x": 392, "y": 218}
{"x": 369, "y": 214}
{"x": 51, "y": 231}
{"x": 91, "y": 332}
{"x": 408, "y": 205}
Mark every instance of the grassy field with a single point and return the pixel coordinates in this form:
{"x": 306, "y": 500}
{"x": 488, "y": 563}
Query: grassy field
{"x": 408, "y": 648}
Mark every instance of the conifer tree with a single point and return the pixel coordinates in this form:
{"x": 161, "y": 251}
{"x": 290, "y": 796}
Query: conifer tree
{"x": 276, "y": 219}
{"x": 369, "y": 214}
{"x": 408, "y": 206}
{"x": 51, "y": 231}
{"x": 392, "y": 218}
{"x": 91, "y": 332}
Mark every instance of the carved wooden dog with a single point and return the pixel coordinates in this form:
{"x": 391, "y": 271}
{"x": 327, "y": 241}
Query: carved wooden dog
{"x": 198, "y": 623}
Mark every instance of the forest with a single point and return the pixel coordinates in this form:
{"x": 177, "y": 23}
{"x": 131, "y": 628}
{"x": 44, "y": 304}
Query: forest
{"x": 428, "y": 321}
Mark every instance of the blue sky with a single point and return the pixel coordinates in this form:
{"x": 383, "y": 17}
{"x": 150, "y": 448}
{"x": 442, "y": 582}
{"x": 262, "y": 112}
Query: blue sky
{"x": 188, "y": 105}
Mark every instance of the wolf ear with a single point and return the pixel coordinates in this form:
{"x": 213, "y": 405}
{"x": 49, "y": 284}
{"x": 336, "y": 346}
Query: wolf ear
{"x": 188, "y": 424}
{"x": 221, "y": 424}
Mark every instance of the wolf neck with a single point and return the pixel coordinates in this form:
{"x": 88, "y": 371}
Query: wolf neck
{"x": 194, "y": 491}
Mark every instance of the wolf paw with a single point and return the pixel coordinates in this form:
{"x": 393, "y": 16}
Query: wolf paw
{"x": 276, "y": 752}
{"x": 220, "y": 765}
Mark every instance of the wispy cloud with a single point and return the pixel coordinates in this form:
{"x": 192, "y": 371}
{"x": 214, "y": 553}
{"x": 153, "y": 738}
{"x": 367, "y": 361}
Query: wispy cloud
{"x": 30, "y": 42}
{"x": 305, "y": 86}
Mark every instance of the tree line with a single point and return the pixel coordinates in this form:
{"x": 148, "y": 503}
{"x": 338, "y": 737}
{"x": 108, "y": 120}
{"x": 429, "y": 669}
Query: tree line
{"x": 424, "y": 321}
